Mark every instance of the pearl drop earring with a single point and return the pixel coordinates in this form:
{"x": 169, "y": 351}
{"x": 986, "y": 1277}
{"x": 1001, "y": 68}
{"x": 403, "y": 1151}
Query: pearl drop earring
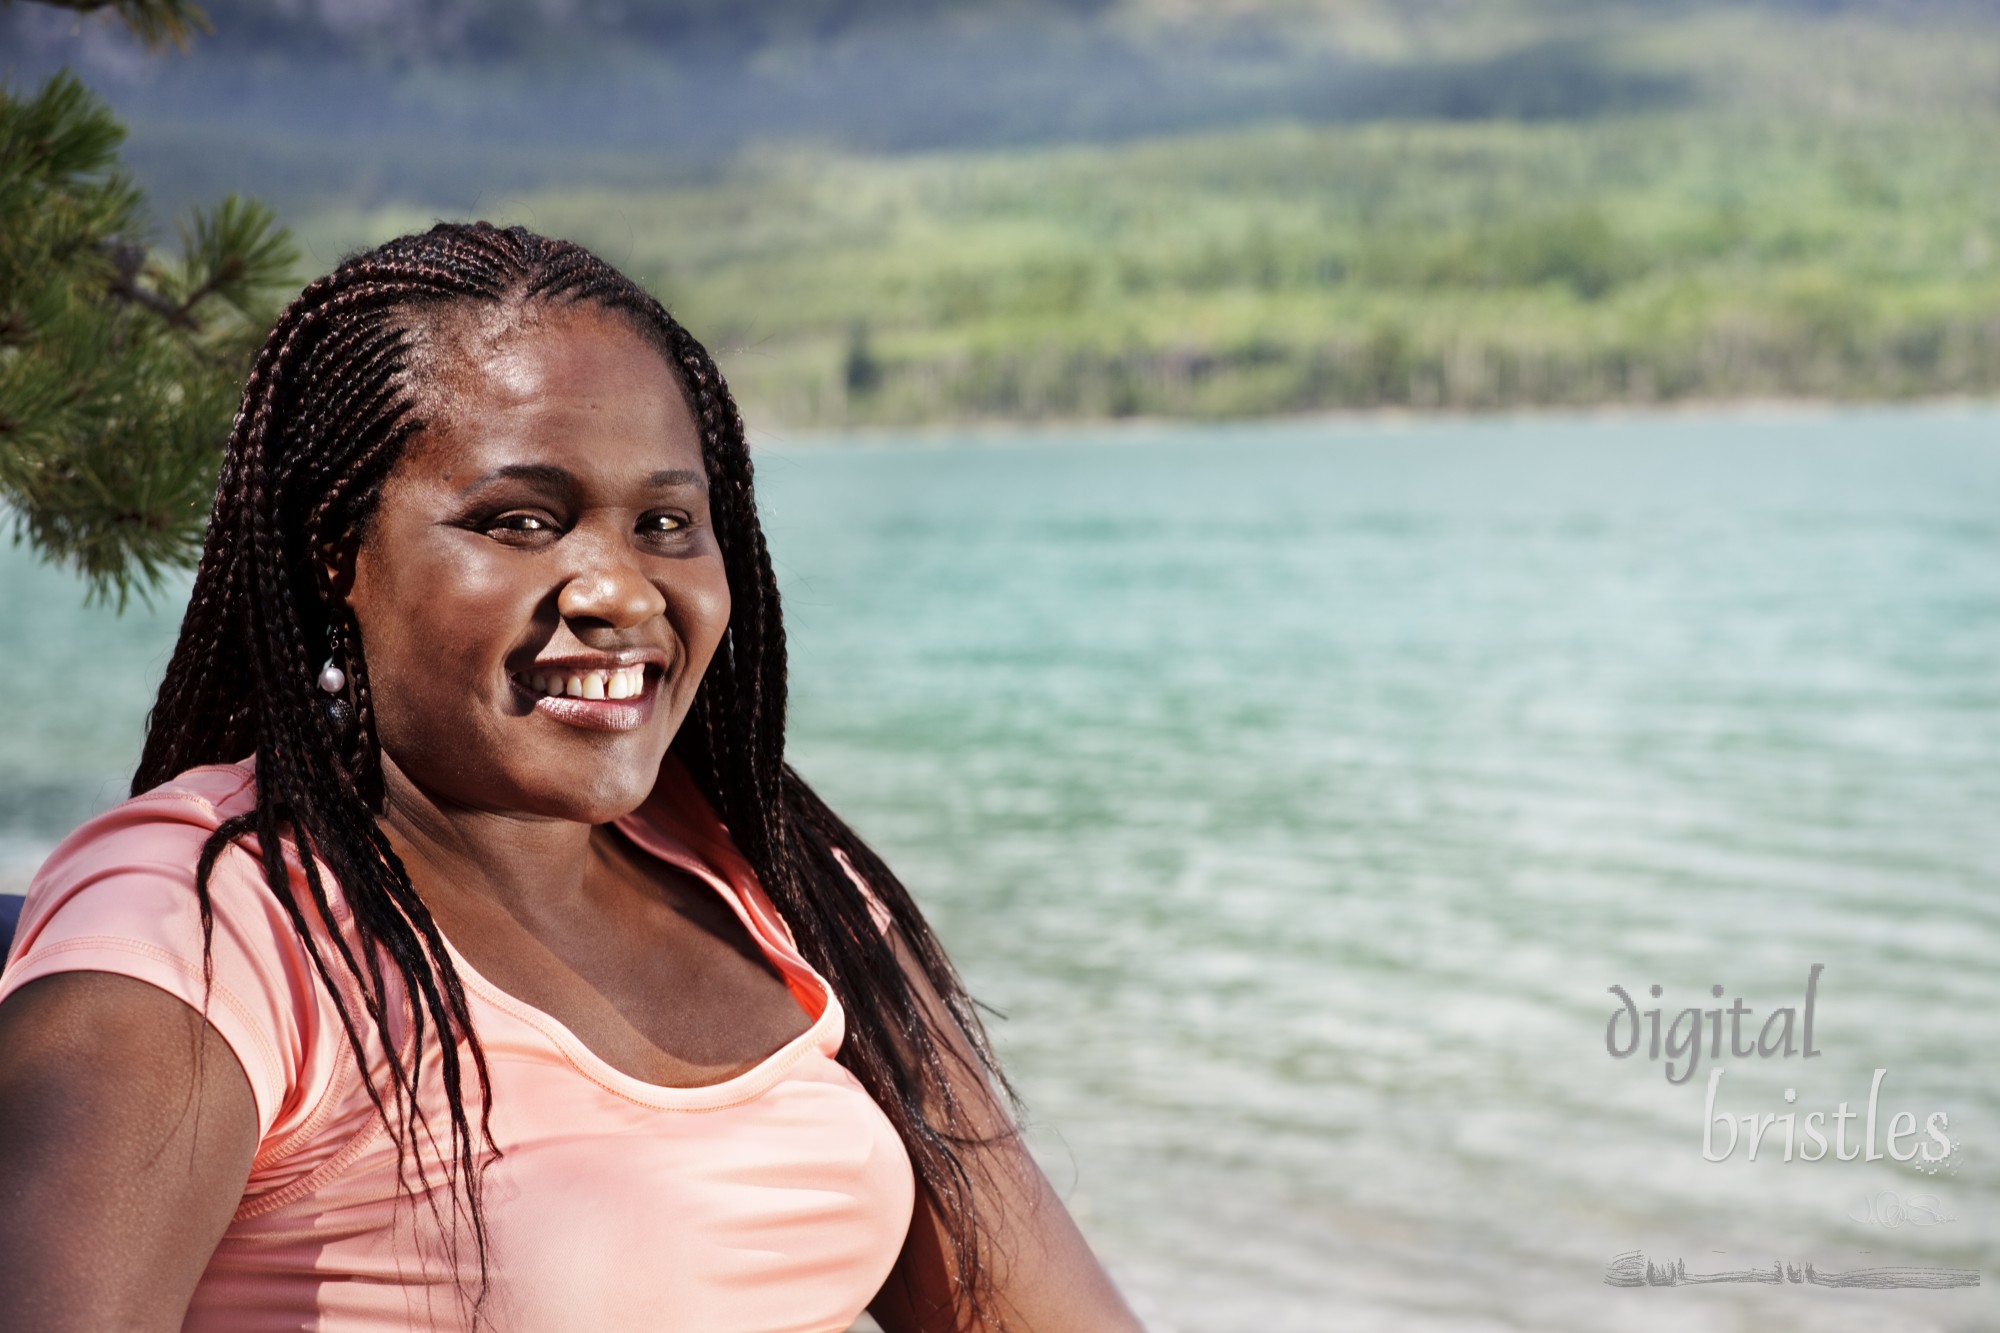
{"x": 338, "y": 711}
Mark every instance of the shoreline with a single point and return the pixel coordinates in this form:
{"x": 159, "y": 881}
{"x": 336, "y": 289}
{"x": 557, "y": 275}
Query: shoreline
{"x": 994, "y": 431}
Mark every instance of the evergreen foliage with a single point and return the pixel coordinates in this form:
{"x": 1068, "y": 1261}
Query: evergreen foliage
{"x": 157, "y": 23}
{"x": 119, "y": 368}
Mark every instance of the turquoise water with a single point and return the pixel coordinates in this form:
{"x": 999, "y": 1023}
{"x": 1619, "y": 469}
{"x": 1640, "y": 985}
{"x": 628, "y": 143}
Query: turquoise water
{"x": 1296, "y": 792}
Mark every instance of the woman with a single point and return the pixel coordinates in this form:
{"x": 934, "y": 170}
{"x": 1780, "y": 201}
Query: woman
{"x": 468, "y": 954}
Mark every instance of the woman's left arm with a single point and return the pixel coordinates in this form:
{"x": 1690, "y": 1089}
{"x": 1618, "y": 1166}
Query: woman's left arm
{"x": 1044, "y": 1277}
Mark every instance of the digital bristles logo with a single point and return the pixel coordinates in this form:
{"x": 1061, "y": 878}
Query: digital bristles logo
{"x": 1785, "y": 1033}
{"x": 1633, "y": 1269}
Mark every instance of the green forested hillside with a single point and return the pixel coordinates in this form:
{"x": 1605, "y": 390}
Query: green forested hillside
{"x": 905, "y": 211}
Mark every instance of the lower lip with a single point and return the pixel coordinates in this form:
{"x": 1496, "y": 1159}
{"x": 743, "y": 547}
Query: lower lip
{"x": 599, "y": 714}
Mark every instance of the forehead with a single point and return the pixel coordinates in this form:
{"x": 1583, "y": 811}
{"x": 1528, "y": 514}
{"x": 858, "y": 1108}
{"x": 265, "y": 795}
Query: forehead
{"x": 574, "y": 385}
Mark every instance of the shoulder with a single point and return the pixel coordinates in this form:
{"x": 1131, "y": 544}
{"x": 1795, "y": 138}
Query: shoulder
{"x": 153, "y": 828}
{"x": 132, "y": 868}
{"x": 152, "y": 836}
{"x": 119, "y": 895}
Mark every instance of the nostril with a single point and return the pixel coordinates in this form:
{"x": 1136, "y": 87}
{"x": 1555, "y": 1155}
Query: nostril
{"x": 615, "y": 595}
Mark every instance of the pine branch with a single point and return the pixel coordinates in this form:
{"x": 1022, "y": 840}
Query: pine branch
{"x": 157, "y": 23}
{"x": 127, "y": 263}
{"x": 119, "y": 367}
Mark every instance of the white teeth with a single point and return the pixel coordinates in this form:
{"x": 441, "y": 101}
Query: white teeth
{"x": 622, "y": 683}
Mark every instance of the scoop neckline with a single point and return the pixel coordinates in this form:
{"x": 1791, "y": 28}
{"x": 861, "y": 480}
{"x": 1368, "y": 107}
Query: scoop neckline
{"x": 679, "y": 846}
{"x": 824, "y": 1032}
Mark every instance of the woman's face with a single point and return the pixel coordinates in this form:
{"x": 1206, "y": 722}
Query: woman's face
{"x": 539, "y": 590}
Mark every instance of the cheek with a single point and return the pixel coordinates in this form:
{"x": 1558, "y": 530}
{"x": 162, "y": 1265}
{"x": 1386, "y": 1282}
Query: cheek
{"x": 427, "y": 625}
{"x": 704, "y": 603}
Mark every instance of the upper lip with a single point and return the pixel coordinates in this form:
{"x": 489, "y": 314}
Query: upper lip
{"x": 624, "y": 657}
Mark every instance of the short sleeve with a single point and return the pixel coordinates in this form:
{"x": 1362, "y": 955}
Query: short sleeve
{"x": 118, "y": 896}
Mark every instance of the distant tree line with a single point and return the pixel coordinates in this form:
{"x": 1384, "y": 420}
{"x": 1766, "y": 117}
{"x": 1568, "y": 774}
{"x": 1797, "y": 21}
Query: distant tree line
{"x": 515, "y": 31}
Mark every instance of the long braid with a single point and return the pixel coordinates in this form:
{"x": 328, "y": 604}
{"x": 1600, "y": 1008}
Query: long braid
{"x": 327, "y": 412}
{"x": 794, "y": 836}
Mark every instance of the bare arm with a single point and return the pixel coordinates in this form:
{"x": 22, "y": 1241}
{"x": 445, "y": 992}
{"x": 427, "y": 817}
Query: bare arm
{"x": 127, "y": 1129}
{"x": 1045, "y": 1279}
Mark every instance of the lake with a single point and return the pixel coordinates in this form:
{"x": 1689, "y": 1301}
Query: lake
{"x": 1298, "y": 793}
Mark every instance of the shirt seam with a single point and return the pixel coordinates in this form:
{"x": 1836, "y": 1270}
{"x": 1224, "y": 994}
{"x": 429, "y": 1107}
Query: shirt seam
{"x": 770, "y": 1071}
{"x": 265, "y": 1051}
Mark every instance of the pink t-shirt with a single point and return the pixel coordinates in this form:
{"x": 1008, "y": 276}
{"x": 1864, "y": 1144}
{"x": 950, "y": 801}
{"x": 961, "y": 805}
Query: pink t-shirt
{"x": 777, "y": 1200}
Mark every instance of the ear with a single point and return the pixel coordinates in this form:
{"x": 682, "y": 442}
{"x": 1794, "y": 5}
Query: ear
{"x": 335, "y": 561}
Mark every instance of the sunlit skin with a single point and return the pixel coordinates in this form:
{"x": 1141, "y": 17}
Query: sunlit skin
{"x": 552, "y": 517}
{"x": 465, "y": 580}
{"x": 553, "y": 512}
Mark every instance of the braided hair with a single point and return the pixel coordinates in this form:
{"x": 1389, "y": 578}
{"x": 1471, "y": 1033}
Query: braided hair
{"x": 327, "y": 411}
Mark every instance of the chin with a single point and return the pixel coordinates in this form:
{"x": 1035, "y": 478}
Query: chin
{"x": 603, "y": 798}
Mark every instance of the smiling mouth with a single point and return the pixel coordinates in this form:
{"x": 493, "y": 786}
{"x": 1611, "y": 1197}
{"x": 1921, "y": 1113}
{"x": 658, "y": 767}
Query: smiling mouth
{"x": 607, "y": 684}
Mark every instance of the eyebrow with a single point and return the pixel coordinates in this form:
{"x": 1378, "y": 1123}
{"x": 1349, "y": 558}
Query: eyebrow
{"x": 551, "y": 475}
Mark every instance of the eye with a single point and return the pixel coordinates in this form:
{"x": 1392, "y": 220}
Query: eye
{"x": 659, "y": 524}
{"x": 520, "y": 523}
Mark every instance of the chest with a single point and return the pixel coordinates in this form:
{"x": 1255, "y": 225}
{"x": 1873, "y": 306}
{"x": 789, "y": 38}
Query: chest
{"x": 786, "y": 1212}
{"x": 777, "y": 1199}
{"x": 655, "y": 971}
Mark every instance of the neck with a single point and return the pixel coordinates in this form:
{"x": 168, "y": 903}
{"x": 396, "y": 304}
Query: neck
{"x": 463, "y": 859}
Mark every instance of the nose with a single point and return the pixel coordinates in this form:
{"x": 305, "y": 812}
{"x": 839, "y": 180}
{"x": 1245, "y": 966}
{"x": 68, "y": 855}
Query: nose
{"x": 609, "y": 586}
